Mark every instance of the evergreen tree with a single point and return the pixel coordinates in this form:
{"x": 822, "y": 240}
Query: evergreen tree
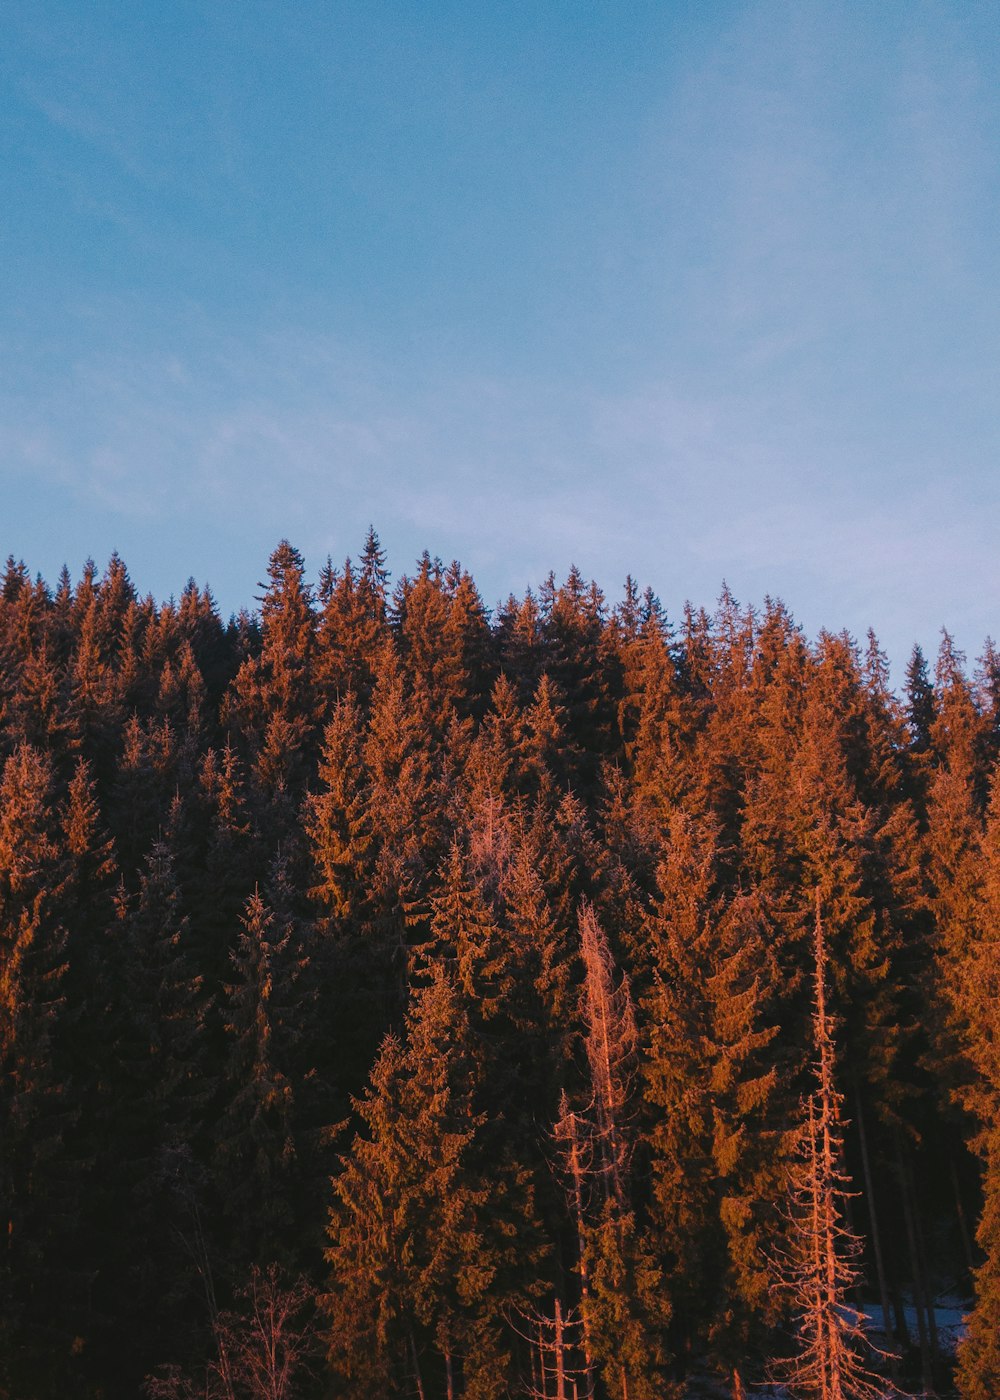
{"x": 623, "y": 1307}
{"x": 920, "y": 700}
{"x": 714, "y": 1103}
{"x": 520, "y": 643}
{"x": 424, "y": 1234}
{"x": 560, "y": 864}
{"x": 39, "y": 1180}
{"x": 352, "y": 627}
{"x": 976, "y": 991}
{"x": 165, "y": 1085}
{"x": 255, "y": 1148}
{"x": 273, "y": 700}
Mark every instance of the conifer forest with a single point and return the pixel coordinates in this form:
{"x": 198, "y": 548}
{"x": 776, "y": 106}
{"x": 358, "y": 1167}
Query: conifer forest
{"x": 405, "y": 998}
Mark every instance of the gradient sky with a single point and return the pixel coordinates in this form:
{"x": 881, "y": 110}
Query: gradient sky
{"x": 693, "y": 290}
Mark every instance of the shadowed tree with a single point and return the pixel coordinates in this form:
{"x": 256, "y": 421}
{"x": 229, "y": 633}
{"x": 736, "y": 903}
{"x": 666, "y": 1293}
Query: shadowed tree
{"x": 37, "y": 1180}
{"x": 976, "y": 1006}
{"x": 264, "y": 1347}
{"x": 427, "y": 1236}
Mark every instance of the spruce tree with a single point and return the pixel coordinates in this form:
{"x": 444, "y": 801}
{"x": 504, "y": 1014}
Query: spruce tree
{"x": 976, "y": 994}
{"x": 351, "y": 628}
{"x": 256, "y": 1147}
{"x": 714, "y": 1103}
{"x": 272, "y": 700}
{"x": 39, "y": 1180}
{"x": 426, "y": 1235}
{"x": 166, "y": 1083}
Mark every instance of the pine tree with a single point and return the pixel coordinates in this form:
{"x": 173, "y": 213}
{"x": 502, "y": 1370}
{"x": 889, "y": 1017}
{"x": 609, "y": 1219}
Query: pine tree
{"x": 920, "y": 700}
{"x": 272, "y": 699}
{"x": 623, "y": 1306}
{"x": 352, "y": 626}
{"x": 165, "y": 1083}
{"x": 490, "y": 779}
{"x": 519, "y": 643}
{"x": 38, "y": 1178}
{"x": 358, "y": 958}
{"x": 374, "y": 576}
{"x": 582, "y": 662}
{"x": 424, "y": 1233}
{"x": 337, "y": 817}
{"x": 420, "y": 619}
{"x": 94, "y": 706}
{"x": 976, "y": 993}
{"x": 255, "y": 1148}
{"x": 654, "y": 723}
{"x": 549, "y": 758}
{"x": 713, "y": 1101}
{"x": 199, "y": 624}
{"x": 953, "y": 860}
{"x": 465, "y": 937}
{"x": 230, "y": 857}
{"x": 537, "y": 815}
{"x": 403, "y": 806}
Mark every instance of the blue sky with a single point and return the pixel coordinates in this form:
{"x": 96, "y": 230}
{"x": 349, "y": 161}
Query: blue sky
{"x": 696, "y": 291}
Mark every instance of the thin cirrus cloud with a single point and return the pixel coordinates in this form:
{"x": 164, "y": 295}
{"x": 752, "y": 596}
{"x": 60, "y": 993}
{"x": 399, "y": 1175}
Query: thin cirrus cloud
{"x": 283, "y": 435}
{"x": 291, "y": 435}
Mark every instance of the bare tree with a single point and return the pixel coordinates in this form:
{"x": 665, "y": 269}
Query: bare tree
{"x": 610, "y": 1046}
{"x": 261, "y": 1350}
{"x": 575, "y": 1149}
{"x": 559, "y": 1371}
{"x": 817, "y": 1268}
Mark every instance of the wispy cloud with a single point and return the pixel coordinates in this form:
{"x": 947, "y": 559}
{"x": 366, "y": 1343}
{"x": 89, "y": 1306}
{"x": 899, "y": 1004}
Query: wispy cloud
{"x": 292, "y": 434}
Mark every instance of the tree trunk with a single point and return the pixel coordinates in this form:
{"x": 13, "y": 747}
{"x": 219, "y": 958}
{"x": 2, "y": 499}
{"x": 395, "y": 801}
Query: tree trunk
{"x": 416, "y": 1365}
{"x": 925, "y": 1274}
{"x": 559, "y": 1355}
{"x": 577, "y": 1180}
{"x": 538, "y": 1366}
{"x": 963, "y": 1224}
{"x": 883, "y": 1291}
{"x": 898, "y": 1312}
{"x": 915, "y": 1274}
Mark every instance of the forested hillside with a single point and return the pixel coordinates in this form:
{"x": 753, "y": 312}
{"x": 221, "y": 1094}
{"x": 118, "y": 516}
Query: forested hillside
{"x": 450, "y": 1002}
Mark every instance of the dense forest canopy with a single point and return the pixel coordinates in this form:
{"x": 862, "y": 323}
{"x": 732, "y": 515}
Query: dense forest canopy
{"x": 399, "y": 999}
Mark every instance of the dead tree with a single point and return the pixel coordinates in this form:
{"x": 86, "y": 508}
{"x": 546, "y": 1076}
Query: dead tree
{"x": 576, "y": 1165}
{"x": 559, "y": 1370}
{"x": 610, "y": 1045}
{"x": 261, "y": 1350}
{"x": 817, "y": 1267}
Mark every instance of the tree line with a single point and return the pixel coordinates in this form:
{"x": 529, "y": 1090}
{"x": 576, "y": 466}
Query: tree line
{"x": 403, "y": 998}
